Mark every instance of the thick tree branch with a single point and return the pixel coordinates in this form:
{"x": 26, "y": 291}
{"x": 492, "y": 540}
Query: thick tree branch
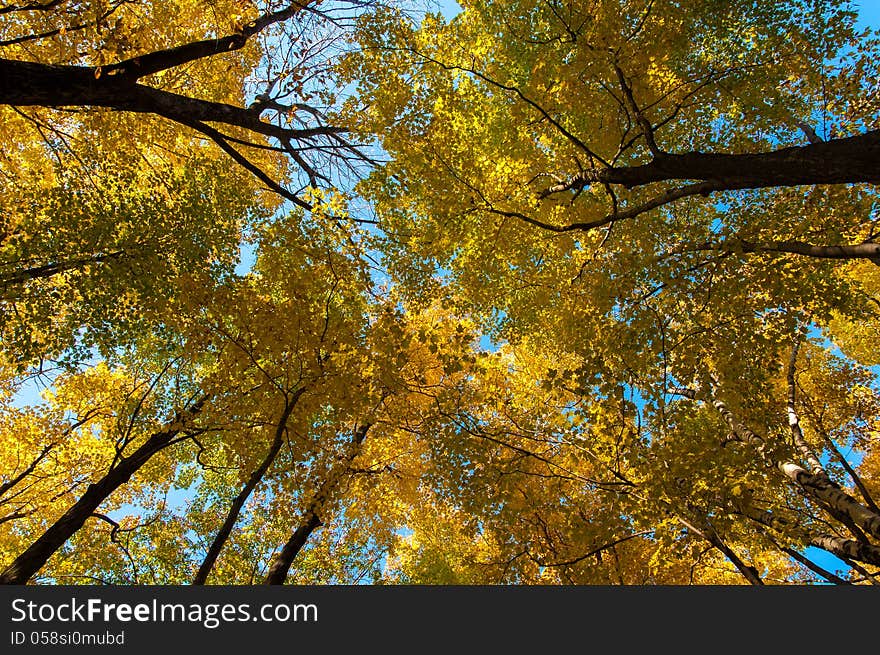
{"x": 816, "y": 420}
{"x": 839, "y": 503}
{"x": 867, "y": 250}
{"x": 24, "y": 83}
{"x": 850, "y": 160}
{"x": 27, "y": 83}
{"x": 154, "y": 62}
{"x": 848, "y": 548}
{"x": 774, "y": 522}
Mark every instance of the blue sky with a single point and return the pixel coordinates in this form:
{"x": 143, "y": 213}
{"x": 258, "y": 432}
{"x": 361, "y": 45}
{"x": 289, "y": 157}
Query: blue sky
{"x": 449, "y": 8}
{"x": 869, "y": 13}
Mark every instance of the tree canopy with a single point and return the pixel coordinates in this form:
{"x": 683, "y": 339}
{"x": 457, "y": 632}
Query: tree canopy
{"x": 544, "y": 292}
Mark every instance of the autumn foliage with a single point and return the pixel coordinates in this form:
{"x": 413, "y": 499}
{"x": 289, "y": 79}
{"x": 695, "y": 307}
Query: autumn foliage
{"x": 544, "y": 292}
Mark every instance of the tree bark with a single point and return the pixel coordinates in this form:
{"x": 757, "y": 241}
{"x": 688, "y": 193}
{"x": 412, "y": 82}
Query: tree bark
{"x": 868, "y": 250}
{"x": 854, "y": 159}
{"x": 839, "y": 503}
{"x": 281, "y": 564}
{"x": 826, "y": 491}
{"x": 25, "y": 83}
{"x": 794, "y": 422}
{"x": 116, "y": 86}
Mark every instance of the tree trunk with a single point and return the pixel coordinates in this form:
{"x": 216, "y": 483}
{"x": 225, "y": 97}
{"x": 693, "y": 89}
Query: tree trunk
{"x": 281, "y": 564}
{"x": 822, "y": 489}
{"x": 25, "y": 83}
{"x": 819, "y": 487}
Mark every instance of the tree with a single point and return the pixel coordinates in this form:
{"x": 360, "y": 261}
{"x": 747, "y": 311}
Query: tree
{"x": 611, "y": 319}
{"x": 102, "y": 427}
{"x": 126, "y": 66}
{"x": 594, "y": 88}
{"x": 627, "y": 184}
{"x": 296, "y": 387}
{"x": 117, "y": 142}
